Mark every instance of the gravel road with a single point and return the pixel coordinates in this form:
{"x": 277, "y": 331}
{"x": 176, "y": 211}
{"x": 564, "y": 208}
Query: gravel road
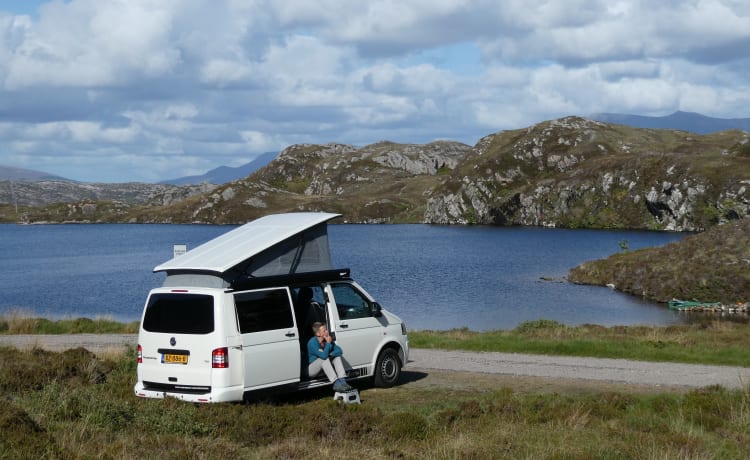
{"x": 507, "y": 364}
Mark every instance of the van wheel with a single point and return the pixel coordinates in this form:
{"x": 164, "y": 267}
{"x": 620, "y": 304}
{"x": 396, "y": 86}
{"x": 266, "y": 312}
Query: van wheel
{"x": 387, "y": 368}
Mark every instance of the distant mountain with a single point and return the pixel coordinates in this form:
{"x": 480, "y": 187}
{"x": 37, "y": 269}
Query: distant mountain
{"x": 20, "y": 174}
{"x": 224, "y": 174}
{"x": 684, "y": 121}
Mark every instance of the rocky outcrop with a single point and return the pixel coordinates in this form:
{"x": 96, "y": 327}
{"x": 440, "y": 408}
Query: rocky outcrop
{"x": 575, "y": 172}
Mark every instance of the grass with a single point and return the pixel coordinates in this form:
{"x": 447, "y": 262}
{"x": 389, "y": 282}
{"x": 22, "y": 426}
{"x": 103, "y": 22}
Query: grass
{"x": 78, "y": 405}
{"x": 25, "y": 322}
{"x": 704, "y": 342}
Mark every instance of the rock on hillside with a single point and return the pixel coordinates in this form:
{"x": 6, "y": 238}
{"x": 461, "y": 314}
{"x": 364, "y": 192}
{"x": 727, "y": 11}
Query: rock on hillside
{"x": 382, "y": 182}
{"x": 709, "y": 266}
{"x": 575, "y": 172}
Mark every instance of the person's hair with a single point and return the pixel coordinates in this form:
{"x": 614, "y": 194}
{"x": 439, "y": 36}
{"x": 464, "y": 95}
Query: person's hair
{"x": 317, "y": 325}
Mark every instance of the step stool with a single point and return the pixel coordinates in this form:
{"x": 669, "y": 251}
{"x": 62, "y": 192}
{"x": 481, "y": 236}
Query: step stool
{"x": 349, "y": 397}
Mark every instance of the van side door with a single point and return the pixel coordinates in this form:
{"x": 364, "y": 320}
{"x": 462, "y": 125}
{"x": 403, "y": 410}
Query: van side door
{"x": 358, "y": 330}
{"x": 270, "y": 346}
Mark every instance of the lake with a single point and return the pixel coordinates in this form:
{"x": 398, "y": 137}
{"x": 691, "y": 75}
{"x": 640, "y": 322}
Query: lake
{"x": 433, "y": 277}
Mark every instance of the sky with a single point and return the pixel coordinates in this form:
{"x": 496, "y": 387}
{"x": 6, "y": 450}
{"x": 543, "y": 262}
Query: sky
{"x": 149, "y": 90}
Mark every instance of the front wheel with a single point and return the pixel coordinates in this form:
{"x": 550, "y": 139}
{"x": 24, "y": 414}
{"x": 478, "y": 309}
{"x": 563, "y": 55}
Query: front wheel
{"x": 387, "y": 368}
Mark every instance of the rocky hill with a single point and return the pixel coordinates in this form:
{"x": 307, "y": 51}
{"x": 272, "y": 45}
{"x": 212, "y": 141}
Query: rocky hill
{"x": 575, "y": 172}
{"x": 378, "y": 183}
{"x": 572, "y": 172}
{"x": 713, "y": 266}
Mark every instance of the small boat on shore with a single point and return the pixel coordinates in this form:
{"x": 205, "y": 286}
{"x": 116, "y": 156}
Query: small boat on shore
{"x": 694, "y": 305}
{"x": 676, "y": 304}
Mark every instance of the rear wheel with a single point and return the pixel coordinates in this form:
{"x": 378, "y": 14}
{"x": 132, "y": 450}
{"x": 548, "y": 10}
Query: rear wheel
{"x": 387, "y": 368}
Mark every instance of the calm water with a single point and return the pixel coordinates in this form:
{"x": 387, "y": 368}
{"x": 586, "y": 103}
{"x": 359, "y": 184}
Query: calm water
{"x": 434, "y": 277}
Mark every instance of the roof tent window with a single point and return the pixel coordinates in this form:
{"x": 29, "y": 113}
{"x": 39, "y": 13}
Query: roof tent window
{"x": 303, "y": 253}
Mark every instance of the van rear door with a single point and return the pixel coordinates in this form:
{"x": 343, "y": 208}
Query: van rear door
{"x": 178, "y": 334}
{"x": 270, "y": 342}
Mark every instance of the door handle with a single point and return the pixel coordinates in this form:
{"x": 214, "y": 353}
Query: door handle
{"x": 290, "y": 334}
{"x": 343, "y": 325}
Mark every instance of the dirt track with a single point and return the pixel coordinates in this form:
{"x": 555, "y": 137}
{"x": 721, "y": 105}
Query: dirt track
{"x": 507, "y": 366}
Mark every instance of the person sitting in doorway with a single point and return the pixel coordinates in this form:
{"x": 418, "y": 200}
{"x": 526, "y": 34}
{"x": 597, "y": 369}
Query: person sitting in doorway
{"x": 323, "y": 354}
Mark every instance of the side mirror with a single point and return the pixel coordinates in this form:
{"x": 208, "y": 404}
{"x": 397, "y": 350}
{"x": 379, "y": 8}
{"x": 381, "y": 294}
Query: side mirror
{"x": 377, "y": 310}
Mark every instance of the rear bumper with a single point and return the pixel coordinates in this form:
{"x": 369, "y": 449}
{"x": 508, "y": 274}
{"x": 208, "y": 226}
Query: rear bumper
{"x": 226, "y": 394}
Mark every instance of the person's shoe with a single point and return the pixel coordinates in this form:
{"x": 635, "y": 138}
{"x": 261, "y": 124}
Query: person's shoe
{"x": 340, "y": 386}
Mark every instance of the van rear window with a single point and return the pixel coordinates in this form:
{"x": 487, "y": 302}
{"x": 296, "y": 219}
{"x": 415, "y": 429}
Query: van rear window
{"x": 180, "y": 314}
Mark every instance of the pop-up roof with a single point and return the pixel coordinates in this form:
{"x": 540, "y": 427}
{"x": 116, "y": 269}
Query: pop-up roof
{"x": 277, "y": 244}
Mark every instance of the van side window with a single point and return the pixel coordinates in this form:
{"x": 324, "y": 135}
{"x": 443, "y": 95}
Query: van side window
{"x": 179, "y": 314}
{"x": 263, "y": 310}
{"x": 351, "y": 303}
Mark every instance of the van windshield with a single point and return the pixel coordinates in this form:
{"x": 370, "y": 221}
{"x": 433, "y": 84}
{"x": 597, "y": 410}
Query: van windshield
{"x": 180, "y": 314}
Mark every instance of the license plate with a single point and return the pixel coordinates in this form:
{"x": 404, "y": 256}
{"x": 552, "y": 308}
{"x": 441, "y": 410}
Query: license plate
{"x": 169, "y": 358}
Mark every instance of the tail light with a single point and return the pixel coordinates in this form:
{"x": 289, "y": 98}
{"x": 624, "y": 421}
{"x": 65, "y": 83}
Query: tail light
{"x": 220, "y": 358}
{"x": 140, "y": 354}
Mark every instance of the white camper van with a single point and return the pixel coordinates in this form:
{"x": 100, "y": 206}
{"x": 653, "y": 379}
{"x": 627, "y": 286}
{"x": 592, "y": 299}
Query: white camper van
{"x": 234, "y": 315}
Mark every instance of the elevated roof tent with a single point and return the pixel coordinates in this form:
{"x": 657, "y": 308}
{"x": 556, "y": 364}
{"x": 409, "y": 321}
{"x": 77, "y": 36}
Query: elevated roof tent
{"x": 272, "y": 246}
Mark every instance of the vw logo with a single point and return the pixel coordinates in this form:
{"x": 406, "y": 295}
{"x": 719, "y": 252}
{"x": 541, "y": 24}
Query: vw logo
{"x": 172, "y": 341}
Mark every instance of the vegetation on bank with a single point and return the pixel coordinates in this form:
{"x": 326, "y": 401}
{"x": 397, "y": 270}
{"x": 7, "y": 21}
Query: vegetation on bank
{"x": 713, "y": 266}
{"x": 78, "y": 405}
{"x": 23, "y": 322}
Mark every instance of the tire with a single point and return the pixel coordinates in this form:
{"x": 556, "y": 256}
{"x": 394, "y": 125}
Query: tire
{"x": 387, "y": 368}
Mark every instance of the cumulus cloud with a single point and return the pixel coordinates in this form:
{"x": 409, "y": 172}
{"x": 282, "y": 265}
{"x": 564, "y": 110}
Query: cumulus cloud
{"x": 151, "y": 89}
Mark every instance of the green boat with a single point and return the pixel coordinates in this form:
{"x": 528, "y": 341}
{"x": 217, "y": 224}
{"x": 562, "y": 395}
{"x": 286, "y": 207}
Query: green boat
{"x": 675, "y": 304}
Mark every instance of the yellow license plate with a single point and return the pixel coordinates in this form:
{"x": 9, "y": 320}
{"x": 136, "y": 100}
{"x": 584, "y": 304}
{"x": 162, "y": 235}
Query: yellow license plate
{"x": 169, "y": 358}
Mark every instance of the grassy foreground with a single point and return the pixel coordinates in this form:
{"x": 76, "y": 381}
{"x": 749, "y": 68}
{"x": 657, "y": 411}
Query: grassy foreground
{"x": 79, "y": 405}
